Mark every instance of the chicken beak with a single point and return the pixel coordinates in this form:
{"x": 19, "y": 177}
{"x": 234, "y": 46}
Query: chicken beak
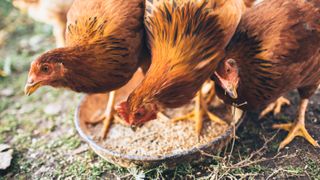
{"x": 133, "y": 128}
{"x": 228, "y": 86}
{"x": 30, "y": 88}
{"x": 232, "y": 92}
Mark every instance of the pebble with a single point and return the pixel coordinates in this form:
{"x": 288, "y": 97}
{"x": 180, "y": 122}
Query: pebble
{"x": 53, "y": 109}
{"x": 7, "y": 92}
{"x": 26, "y": 109}
{"x": 83, "y": 148}
{"x": 5, "y": 156}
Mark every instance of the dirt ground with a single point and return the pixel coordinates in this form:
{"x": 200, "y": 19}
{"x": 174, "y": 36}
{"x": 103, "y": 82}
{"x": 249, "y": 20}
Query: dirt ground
{"x": 46, "y": 145}
{"x": 300, "y": 155}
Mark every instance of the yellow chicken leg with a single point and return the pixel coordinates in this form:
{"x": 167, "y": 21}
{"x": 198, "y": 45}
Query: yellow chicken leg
{"x": 197, "y": 114}
{"x": 107, "y": 115}
{"x": 275, "y": 107}
{"x": 298, "y": 128}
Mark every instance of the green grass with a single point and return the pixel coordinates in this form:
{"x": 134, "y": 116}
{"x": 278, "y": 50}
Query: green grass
{"x": 68, "y": 142}
{"x": 313, "y": 168}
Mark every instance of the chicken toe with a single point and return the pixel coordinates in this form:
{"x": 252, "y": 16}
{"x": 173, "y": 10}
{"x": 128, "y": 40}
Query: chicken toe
{"x": 297, "y": 129}
{"x": 275, "y": 107}
{"x": 197, "y": 114}
{"x": 211, "y": 116}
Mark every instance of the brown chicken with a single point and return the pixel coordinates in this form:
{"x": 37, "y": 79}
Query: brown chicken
{"x": 187, "y": 40}
{"x": 276, "y": 49}
{"x": 105, "y": 40}
{"x": 50, "y": 12}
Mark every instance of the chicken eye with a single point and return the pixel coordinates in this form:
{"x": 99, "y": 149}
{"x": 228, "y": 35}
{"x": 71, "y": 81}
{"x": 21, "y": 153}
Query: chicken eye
{"x": 228, "y": 70}
{"x": 45, "y": 69}
{"x": 139, "y": 114}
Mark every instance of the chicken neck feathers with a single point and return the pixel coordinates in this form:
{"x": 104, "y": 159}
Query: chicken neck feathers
{"x": 184, "y": 41}
{"x": 104, "y": 44}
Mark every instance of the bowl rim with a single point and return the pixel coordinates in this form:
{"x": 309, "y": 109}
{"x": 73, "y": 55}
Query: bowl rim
{"x": 175, "y": 155}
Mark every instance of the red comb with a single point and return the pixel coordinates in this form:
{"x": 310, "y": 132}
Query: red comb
{"x": 122, "y": 110}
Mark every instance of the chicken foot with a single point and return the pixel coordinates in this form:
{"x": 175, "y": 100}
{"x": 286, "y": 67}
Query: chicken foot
{"x": 275, "y": 107}
{"x": 107, "y": 116}
{"x": 200, "y": 109}
{"x": 297, "y": 128}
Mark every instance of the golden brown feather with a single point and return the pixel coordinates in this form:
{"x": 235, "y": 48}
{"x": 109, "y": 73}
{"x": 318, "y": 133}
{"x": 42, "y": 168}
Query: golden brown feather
{"x": 187, "y": 40}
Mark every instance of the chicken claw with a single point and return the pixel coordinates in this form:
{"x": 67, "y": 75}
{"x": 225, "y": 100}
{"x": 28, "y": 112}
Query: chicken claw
{"x": 197, "y": 114}
{"x": 294, "y": 130}
{"x": 275, "y": 107}
{"x": 297, "y": 129}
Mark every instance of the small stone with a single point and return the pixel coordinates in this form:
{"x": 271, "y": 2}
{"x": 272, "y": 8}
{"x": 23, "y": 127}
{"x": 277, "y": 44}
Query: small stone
{"x": 42, "y": 170}
{"x": 53, "y": 109}
{"x": 7, "y": 92}
{"x": 5, "y": 156}
{"x": 83, "y": 148}
{"x": 315, "y": 120}
{"x": 4, "y": 147}
{"x": 26, "y": 109}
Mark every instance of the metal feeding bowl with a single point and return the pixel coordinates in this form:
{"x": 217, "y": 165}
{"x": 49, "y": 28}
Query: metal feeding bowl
{"x": 160, "y": 141}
